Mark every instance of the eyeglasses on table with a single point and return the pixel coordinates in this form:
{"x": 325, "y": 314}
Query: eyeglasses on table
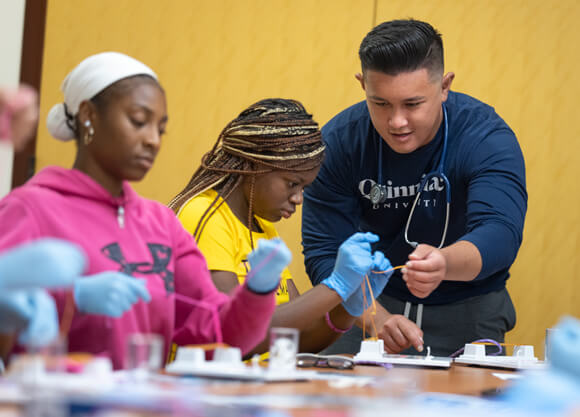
{"x": 309, "y": 360}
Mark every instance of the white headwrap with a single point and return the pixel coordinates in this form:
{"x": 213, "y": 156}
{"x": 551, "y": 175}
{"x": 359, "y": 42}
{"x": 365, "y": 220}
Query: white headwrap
{"x": 85, "y": 81}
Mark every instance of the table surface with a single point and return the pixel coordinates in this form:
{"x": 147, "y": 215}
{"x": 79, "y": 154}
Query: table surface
{"x": 459, "y": 379}
{"x": 396, "y": 382}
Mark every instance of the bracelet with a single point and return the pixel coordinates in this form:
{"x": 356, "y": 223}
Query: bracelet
{"x": 332, "y": 326}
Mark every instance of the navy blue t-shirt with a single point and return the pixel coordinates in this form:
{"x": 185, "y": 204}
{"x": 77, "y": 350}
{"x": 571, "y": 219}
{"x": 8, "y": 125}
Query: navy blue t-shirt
{"x": 485, "y": 168}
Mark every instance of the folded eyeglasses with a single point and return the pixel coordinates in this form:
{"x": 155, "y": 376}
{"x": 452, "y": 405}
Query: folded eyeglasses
{"x": 309, "y": 360}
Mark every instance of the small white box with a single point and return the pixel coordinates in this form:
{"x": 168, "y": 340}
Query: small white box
{"x": 232, "y": 355}
{"x": 474, "y": 351}
{"x": 190, "y": 355}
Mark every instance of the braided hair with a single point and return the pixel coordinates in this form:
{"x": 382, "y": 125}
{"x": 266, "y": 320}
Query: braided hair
{"x": 272, "y": 134}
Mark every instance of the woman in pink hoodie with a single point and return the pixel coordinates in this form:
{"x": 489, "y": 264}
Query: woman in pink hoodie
{"x": 145, "y": 273}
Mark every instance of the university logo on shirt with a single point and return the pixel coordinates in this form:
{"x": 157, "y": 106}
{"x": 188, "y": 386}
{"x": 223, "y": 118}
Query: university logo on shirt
{"x": 402, "y": 196}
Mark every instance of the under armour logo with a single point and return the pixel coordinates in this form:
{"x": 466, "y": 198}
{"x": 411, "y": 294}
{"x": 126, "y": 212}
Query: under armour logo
{"x": 160, "y": 254}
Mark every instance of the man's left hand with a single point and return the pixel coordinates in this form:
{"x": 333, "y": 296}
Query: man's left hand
{"x": 425, "y": 270}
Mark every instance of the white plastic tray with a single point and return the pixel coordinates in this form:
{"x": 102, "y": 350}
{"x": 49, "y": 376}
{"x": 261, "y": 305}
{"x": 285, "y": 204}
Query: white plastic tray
{"x": 523, "y": 358}
{"x": 242, "y": 373}
{"x": 373, "y": 352}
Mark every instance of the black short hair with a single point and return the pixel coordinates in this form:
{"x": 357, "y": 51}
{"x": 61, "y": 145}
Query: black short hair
{"x": 120, "y": 88}
{"x": 401, "y": 46}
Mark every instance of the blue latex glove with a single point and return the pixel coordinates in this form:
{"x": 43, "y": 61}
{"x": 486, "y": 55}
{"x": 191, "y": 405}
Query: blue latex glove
{"x": 556, "y": 391}
{"x": 32, "y": 313}
{"x": 109, "y": 293}
{"x": 355, "y": 303}
{"x": 353, "y": 262}
{"x": 267, "y": 262}
{"x": 41, "y": 264}
{"x": 565, "y": 347}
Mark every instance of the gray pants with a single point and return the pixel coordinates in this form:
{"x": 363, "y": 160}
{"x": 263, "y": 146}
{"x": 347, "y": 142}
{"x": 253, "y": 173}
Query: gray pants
{"x": 448, "y": 327}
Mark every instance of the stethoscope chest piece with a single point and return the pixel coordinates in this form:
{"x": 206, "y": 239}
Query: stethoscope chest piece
{"x": 378, "y": 194}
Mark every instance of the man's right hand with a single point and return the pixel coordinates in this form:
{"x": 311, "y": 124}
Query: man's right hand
{"x": 400, "y": 333}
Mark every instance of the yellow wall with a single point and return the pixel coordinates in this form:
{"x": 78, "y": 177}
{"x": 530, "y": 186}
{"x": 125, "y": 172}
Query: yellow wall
{"x": 215, "y": 58}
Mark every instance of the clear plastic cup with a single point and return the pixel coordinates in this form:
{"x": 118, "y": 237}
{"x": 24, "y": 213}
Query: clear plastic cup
{"x": 549, "y": 334}
{"x": 53, "y": 355}
{"x": 283, "y": 349}
{"x": 144, "y": 354}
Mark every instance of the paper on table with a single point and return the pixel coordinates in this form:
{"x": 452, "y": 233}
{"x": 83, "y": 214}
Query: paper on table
{"x": 506, "y": 377}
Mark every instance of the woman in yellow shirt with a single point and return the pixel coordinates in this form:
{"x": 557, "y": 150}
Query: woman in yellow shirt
{"x": 254, "y": 176}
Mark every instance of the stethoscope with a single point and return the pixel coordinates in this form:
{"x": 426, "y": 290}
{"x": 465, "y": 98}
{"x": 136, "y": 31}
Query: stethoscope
{"x": 378, "y": 193}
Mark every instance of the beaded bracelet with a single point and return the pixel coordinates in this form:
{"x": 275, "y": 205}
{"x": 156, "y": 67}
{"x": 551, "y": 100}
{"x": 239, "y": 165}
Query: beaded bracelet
{"x": 333, "y": 327}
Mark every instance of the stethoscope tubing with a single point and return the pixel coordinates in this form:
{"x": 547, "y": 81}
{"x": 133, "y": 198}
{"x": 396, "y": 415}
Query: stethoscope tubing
{"x": 440, "y": 174}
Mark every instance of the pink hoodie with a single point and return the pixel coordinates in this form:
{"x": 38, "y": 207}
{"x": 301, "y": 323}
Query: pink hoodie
{"x": 144, "y": 239}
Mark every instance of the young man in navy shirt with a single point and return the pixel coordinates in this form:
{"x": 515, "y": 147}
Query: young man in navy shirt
{"x": 440, "y": 177}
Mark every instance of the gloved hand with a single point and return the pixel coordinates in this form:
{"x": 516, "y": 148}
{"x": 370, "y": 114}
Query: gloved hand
{"x": 32, "y": 313}
{"x": 267, "y": 262}
{"x": 355, "y": 303}
{"x": 353, "y": 262}
{"x": 109, "y": 293}
{"x": 43, "y": 263}
{"x": 564, "y": 347}
{"x": 554, "y": 391}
